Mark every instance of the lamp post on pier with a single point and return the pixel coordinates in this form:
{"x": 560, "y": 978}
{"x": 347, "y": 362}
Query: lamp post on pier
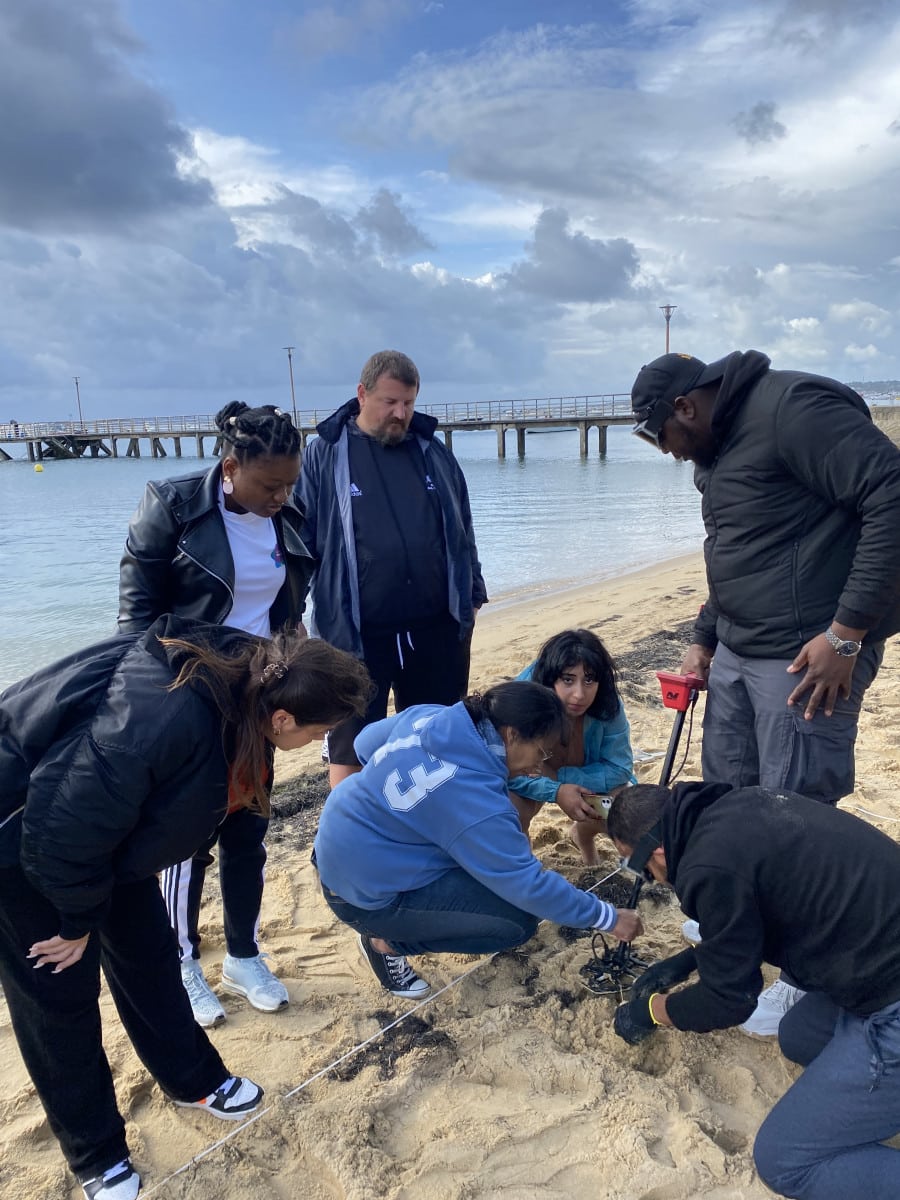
{"x": 78, "y": 400}
{"x": 667, "y": 310}
{"x": 290, "y": 354}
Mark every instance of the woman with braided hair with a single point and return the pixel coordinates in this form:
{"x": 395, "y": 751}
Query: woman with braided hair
{"x": 224, "y": 546}
{"x": 114, "y": 764}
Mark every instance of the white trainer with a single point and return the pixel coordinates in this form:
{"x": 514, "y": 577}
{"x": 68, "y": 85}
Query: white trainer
{"x": 690, "y": 931}
{"x": 120, "y": 1182}
{"x": 251, "y": 977}
{"x": 771, "y": 1006}
{"x": 204, "y": 1001}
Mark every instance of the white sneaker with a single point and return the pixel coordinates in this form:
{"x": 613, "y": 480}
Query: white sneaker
{"x": 120, "y": 1182}
{"x": 690, "y": 931}
{"x": 233, "y": 1100}
{"x": 204, "y": 1001}
{"x": 251, "y": 977}
{"x": 771, "y": 1006}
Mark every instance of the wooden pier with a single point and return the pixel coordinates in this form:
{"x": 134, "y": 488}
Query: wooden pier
{"x": 126, "y": 436}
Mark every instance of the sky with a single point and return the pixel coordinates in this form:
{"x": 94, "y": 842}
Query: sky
{"x": 507, "y": 190}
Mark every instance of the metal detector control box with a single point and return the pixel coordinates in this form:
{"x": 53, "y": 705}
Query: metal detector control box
{"x": 679, "y": 690}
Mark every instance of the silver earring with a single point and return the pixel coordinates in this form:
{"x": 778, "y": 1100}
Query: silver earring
{"x": 227, "y": 486}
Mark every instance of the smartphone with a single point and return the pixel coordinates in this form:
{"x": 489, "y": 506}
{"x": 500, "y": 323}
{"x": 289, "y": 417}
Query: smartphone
{"x": 599, "y": 802}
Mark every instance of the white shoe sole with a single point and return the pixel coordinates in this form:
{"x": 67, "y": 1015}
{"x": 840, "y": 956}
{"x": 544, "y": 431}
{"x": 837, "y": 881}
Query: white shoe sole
{"x": 214, "y": 1112}
{"x": 236, "y": 989}
{"x": 218, "y": 1019}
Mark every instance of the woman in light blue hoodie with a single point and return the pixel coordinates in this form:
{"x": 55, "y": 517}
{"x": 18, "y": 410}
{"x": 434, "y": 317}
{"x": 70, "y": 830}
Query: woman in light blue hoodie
{"x": 422, "y": 851}
{"x": 597, "y": 755}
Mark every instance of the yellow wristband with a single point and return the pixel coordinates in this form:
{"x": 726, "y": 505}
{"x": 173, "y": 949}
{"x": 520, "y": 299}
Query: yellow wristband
{"x": 650, "y": 1006}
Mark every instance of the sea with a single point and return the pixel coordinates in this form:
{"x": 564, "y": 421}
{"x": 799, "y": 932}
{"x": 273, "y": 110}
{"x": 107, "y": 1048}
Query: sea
{"x": 544, "y": 522}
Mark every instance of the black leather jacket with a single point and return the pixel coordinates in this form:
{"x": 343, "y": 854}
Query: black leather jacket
{"x": 177, "y": 558}
{"x": 106, "y": 776}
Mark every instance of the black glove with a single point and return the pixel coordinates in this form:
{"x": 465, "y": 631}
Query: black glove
{"x": 633, "y": 1021}
{"x": 664, "y": 975}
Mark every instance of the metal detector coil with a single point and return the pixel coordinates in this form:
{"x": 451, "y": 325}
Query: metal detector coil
{"x": 614, "y": 971}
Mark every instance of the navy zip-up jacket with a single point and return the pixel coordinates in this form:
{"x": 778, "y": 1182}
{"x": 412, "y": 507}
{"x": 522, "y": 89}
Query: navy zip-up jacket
{"x": 323, "y": 493}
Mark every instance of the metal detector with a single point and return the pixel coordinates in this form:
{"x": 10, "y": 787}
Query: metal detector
{"x": 614, "y": 972}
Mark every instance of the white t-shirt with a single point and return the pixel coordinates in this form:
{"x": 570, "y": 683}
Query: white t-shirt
{"x": 258, "y": 569}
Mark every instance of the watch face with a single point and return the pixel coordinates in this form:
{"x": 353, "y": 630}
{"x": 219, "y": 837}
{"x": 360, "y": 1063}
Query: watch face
{"x": 849, "y": 649}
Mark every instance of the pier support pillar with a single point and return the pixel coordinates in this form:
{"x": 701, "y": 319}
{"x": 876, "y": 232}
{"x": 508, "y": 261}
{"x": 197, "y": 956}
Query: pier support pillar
{"x": 115, "y": 447}
{"x": 448, "y": 439}
{"x": 501, "y": 441}
{"x": 177, "y": 442}
{"x": 30, "y": 449}
{"x": 601, "y": 443}
{"x": 200, "y": 453}
{"x": 520, "y": 441}
{"x": 134, "y": 448}
{"x": 583, "y": 438}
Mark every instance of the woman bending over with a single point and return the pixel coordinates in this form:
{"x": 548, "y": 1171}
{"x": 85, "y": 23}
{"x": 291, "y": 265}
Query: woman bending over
{"x": 422, "y": 852}
{"x": 114, "y": 764}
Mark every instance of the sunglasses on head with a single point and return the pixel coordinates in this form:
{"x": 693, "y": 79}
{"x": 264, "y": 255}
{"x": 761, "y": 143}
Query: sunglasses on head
{"x": 649, "y": 428}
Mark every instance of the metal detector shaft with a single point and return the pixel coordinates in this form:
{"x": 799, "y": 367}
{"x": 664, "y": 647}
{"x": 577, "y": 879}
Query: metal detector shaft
{"x": 674, "y": 739}
{"x": 623, "y": 949}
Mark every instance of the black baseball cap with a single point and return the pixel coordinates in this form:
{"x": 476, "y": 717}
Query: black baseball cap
{"x": 660, "y": 383}
{"x": 670, "y": 376}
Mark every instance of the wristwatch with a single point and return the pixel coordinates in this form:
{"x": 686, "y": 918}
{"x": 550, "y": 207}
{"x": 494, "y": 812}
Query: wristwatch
{"x": 846, "y": 649}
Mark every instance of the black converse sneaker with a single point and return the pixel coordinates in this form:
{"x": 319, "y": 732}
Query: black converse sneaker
{"x": 234, "y": 1099}
{"x": 120, "y": 1182}
{"x": 394, "y": 972}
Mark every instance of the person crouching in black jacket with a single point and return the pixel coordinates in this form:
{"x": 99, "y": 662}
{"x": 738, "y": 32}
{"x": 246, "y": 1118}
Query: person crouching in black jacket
{"x": 775, "y": 877}
{"x": 114, "y": 764}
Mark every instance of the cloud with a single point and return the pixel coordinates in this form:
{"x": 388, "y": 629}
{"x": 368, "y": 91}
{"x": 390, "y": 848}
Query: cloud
{"x": 84, "y": 143}
{"x": 759, "y": 124}
{"x": 385, "y": 218}
{"x": 569, "y": 267}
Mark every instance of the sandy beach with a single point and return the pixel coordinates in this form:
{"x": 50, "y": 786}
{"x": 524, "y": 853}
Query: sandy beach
{"x": 508, "y": 1080}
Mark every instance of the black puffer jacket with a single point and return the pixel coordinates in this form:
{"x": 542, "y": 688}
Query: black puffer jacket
{"x": 802, "y": 513}
{"x": 177, "y": 558}
{"x": 777, "y": 878}
{"x": 105, "y": 776}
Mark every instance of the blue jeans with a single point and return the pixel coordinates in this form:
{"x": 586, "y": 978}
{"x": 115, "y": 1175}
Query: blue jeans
{"x": 822, "y": 1140}
{"x": 453, "y": 915}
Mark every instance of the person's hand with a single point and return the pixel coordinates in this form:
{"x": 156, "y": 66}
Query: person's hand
{"x": 60, "y": 951}
{"x": 664, "y": 975}
{"x": 570, "y": 799}
{"x": 633, "y": 1022}
{"x": 628, "y": 926}
{"x": 827, "y": 677}
{"x": 696, "y": 661}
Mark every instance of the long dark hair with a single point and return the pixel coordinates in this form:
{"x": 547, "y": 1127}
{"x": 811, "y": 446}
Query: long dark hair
{"x": 531, "y": 710}
{"x": 264, "y": 432}
{"x": 314, "y": 682}
{"x": 571, "y": 648}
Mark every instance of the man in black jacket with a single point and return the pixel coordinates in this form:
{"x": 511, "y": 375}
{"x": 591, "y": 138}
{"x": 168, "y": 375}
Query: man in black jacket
{"x": 801, "y": 503}
{"x": 779, "y": 878}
